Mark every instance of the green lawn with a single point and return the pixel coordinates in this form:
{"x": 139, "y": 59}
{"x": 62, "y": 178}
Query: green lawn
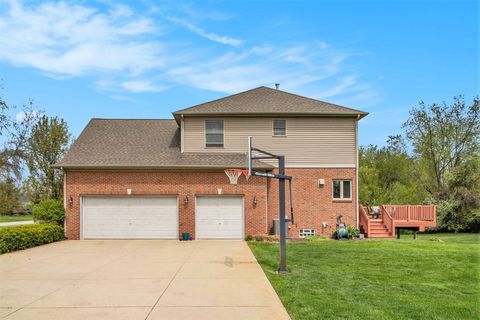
{"x": 378, "y": 279}
{"x": 15, "y": 218}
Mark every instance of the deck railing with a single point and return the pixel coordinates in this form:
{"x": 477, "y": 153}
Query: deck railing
{"x": 412, "y": 213}
{"x": 388, "y": 220}
{"x": 363, "y": 219}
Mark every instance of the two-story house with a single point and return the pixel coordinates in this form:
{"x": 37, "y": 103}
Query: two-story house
{"x": 156, "y": 179}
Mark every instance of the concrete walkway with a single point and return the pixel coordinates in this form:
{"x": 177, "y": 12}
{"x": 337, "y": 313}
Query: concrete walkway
{"x": 136, "y": 280}
{"x": 15, "y": 223}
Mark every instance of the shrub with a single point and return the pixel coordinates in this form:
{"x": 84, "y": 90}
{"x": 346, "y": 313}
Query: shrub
{"x": 27, "y": 236}
{"x": 49, "y": 210}
{"x": 248, "y": 237}
{"x": 354, "y": 232}
{"x": 259, "y": 238}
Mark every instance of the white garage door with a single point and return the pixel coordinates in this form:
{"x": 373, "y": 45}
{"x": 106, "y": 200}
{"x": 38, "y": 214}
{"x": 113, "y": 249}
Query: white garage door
{"x": 219, "y": 217}
{"x": 129, "y": 218}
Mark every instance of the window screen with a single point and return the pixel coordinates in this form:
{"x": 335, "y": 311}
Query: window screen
{"x": 342, "y": 189}
{"x": 279, "y": 127}
{"x": 214, "y": 133}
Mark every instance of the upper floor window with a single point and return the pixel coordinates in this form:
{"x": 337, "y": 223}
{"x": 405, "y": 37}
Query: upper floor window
{"x": 279, "y": 127}
{"x": 342, "y": 189}
{"x": 214, "y": 133}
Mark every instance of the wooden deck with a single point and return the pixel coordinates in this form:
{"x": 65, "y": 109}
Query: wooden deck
{"x": 394, "y": 217}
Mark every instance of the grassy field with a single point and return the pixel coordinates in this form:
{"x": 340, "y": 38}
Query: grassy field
{"x": 15, "y": 218}
{"x": 378, "y": 279}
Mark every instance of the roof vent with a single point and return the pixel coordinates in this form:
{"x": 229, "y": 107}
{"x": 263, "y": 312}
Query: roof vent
{"x": 277, "y": 85}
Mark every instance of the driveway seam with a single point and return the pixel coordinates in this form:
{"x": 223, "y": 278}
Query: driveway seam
{"x": 25, "y": 306}
{"x": 168, "y": 285}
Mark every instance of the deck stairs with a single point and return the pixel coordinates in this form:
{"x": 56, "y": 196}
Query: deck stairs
{"x": 378, "y": 229}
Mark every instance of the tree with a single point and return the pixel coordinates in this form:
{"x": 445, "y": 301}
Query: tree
{"x": 387, "y": 176}
{"x": 48, "y": 143}
{"x": 446, "y": 145}
{"x": 443, "y": 136}
{"x": 9, "y": 197}
{"x": 15, "y": 134}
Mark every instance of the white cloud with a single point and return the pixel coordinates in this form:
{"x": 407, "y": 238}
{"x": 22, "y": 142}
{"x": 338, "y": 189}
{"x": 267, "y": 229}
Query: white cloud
{"x": 138, "y": 86}
{"x": 70, "y": 40}
{"x": 124, "y": 51}
{"x": 208, "y": 35}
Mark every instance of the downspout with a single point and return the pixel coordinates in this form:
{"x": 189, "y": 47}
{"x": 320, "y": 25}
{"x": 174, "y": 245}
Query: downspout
{"x": 356, "y": 168}
{"x": 65, "y": 200}
{"x": 182, "y": 133}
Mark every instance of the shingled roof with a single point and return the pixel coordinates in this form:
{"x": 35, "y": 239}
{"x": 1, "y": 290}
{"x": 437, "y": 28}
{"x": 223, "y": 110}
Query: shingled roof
{"x": 268, "y": 101}
{"x": 111, "y": 143}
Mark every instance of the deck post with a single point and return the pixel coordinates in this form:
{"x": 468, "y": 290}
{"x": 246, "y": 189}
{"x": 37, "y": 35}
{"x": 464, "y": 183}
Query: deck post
{"x": 415, "y": 235}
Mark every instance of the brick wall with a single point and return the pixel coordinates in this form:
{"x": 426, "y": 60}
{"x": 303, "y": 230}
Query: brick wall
{"x": 79, "y": 183}
{"x": 313, "y": 204}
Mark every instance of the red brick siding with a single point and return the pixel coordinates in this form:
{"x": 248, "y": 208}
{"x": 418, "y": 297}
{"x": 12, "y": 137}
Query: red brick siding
{"x": 313, "y": 204}
{"x": 80, "y": 183}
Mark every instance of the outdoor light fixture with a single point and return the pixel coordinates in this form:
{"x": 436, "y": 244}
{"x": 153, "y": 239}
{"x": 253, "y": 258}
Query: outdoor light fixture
{"x": 185, "y": 200}
{"x": 70, "y": 201}
{"x": 254, "y": 200}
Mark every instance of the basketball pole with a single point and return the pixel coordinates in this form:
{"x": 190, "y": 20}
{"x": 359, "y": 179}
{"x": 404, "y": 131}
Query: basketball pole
{"x": 283, "y": 230}
{"x": 282, "y": 269}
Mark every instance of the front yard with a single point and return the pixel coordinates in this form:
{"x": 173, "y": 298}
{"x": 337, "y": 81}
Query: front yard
{"x": 16, "y": 218}
{"x": 378, "y": 279}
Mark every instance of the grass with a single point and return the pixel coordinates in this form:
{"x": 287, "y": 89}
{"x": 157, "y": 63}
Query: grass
{"x": 15, "y": 218}
{"x": 378, "y": 279}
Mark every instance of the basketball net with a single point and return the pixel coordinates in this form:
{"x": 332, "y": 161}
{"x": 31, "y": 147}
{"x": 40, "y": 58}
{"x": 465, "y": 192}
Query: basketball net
{"x": 233, "y": 175}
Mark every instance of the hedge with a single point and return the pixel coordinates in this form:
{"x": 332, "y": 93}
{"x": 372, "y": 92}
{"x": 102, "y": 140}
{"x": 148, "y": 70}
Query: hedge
{"x": 27, "y": 236}
{"x": 49, "y": 210}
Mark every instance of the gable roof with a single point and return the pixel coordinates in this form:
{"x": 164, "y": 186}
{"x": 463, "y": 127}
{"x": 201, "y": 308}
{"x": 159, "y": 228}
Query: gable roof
{"x": 142, "y": 144}
{"x": 268, "y": 101}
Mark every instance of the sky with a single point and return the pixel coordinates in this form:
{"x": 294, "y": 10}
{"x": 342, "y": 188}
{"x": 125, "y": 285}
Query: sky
{"x": 145, "y": 59}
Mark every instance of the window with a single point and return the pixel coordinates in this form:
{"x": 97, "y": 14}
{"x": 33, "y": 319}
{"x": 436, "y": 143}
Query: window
{"x": 342, "y": 189}
{"x": 306, "y": 232}
{"x": 214, "y": 133}
{"x": 279, "y": 127}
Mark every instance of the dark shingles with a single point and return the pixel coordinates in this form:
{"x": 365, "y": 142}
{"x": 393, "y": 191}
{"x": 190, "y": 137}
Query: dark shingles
{"x": 263, "y": 100}
{"x": 141, "y": 144}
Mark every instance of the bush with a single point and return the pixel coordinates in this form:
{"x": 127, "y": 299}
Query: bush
{"x": 248, "y": 237}
{"x": 27, "y": 236}
{"x": 354, "y": 232}
{"x": 259, "y": 238}
{"x": 334, "y": 235}
{"x": 49, "y": 210}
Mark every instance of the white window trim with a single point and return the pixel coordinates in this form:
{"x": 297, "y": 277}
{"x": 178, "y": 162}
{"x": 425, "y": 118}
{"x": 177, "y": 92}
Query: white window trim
{"x": 306, "y": 232}
{"x": 273, "y": 128}
{"x": 205, "y": 134}
{"x": 341, "y": 190}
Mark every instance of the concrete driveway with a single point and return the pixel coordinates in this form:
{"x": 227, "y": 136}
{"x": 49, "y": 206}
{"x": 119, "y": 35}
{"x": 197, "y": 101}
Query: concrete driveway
{"x": 136, "y": 280}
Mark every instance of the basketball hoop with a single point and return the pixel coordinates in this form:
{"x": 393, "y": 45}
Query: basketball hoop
{"x": 233, "y": 175}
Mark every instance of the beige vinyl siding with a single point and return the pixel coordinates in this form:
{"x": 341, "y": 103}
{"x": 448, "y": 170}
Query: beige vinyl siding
{"x": 310, "y": 142}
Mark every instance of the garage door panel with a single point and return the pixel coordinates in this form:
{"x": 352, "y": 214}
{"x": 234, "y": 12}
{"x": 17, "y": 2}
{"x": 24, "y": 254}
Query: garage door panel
{"x": 130, "y": 218}
{"x": 219, "y": 217}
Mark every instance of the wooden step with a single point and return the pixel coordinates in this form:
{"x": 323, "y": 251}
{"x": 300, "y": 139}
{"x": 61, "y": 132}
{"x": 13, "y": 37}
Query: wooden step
{"x": 378, "y": 229}
{"x": 376, "y": 223}
{"x": 380, "y": 235}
